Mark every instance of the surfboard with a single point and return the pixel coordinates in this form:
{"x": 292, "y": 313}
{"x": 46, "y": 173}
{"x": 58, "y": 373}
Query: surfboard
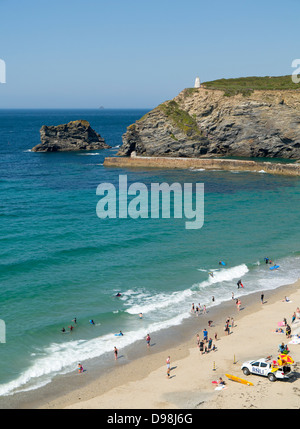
{"x": 239, "y": 380}
{"x": 223, "y": 263}
{"x": 119, "y": 335}
{"x": 274, "y": 267}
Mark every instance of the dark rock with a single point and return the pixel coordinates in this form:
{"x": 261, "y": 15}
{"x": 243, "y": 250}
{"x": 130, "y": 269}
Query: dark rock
{"x": 74, "y": 136}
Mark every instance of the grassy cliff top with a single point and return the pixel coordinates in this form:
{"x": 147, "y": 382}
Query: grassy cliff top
{"x": 246, "y": 85}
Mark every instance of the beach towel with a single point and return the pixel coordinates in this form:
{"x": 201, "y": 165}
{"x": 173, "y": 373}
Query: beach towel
{"x": 295, "y": 341}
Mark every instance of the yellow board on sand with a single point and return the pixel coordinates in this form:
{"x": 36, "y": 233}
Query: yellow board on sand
{"x": 239, "y": 380}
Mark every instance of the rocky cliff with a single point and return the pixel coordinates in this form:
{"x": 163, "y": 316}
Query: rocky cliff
{"x": 76, "y": 135}
{"x": 206, "y": 122}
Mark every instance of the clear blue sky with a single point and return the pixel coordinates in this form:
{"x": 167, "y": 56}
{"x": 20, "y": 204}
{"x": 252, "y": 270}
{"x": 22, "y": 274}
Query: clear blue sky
{"x": 136, "y": 53}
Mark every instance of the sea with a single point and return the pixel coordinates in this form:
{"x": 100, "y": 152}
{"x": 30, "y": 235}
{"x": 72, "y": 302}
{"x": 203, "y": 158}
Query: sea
{"x": 60, "y": 261}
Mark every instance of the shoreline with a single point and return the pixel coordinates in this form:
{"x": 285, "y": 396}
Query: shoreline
{"x": 289, "y": 169}
{"x": 75, "y": 390}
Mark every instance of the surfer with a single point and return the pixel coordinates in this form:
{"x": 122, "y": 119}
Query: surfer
{"x": 118, "y": 294}
{"x": 239, "y": 284}
{"x": 211, "y": 274}
{"x": 92, "y": 322}
{"x": 121, "y": 334}
{"x": 63, "y": 330}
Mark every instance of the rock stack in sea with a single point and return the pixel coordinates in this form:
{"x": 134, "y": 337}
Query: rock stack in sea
{"x": 73, "y": 136}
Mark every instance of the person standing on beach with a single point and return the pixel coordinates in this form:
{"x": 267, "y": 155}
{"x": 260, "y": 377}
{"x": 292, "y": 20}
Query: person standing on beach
{"x": 168, "y": 366}
{"x": 205, "y": 333}
{"x": 262, "y": 298}
{"x": 116, "y": 352}
{"x": 148, "y": 340}
{"x": 209, "y": 344}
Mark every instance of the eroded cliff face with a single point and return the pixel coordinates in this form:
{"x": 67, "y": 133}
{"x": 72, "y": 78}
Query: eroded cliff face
{"x": 204, "y": 122}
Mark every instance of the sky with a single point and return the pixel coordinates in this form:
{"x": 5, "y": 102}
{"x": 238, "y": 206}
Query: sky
{"x": 135, "y": 53}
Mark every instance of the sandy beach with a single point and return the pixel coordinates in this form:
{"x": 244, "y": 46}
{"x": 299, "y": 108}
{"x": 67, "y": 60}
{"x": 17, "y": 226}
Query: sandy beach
{"x": 143, "y": 383}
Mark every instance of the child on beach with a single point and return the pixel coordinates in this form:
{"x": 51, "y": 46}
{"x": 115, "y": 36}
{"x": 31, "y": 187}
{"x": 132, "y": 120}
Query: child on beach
{"x": 148, "y": 340}
{"x": 80, "y": 368}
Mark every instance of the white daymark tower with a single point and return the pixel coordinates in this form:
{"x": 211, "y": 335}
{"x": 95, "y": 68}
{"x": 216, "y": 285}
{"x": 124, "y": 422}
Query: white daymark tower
{"x": 197, "y": 82}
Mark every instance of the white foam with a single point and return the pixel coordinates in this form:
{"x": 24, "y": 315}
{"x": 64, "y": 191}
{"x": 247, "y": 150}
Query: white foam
{"x": 88, "y": 154}
{"x": 225, "y": 275}
{"x": 150, "y": 303}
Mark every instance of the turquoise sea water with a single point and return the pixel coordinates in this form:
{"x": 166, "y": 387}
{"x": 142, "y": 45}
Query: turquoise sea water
{"x": 58, "y": 260}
